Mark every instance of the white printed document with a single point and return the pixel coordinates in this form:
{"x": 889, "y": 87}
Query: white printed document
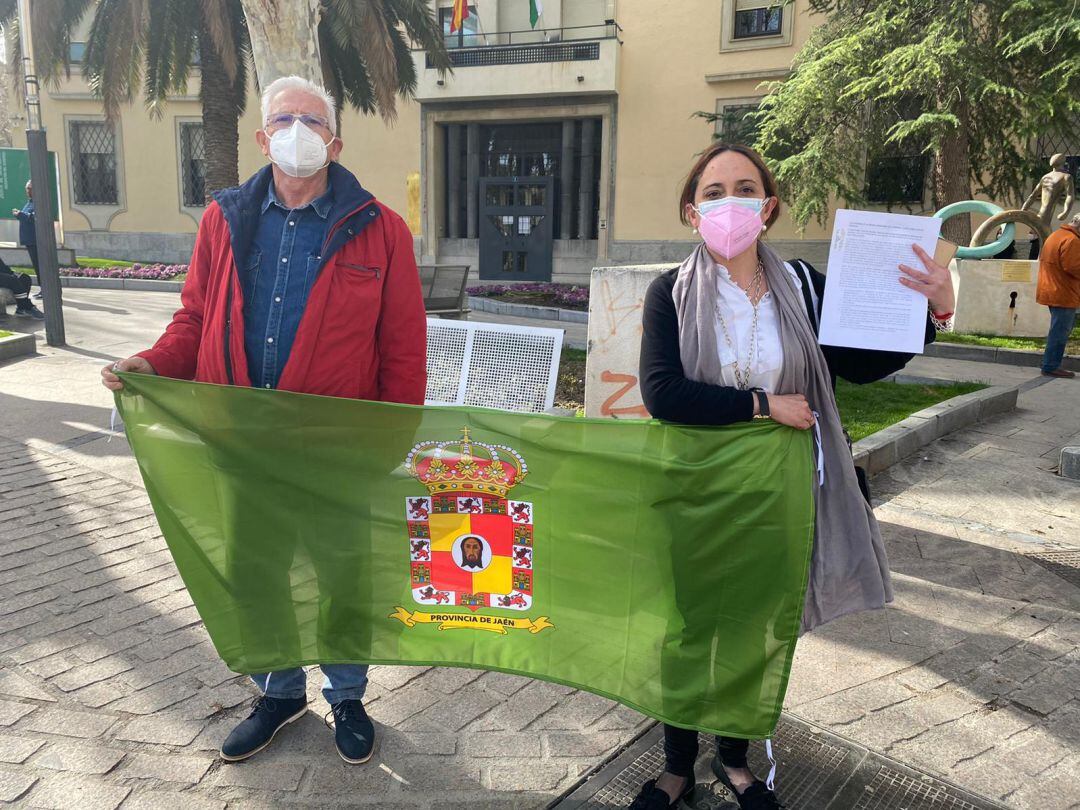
{"x": 865, "y": 305}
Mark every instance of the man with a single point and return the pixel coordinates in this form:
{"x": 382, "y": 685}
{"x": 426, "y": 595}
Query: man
{"x": 1059, "y": 288}
{"x": 27, "y": 232}
{"x": 472, "y": 552}
{"x": 300, "y": 281}
{"x": 19, "y": 285}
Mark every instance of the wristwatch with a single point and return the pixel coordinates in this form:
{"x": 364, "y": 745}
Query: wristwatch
{"x": 763, "y": 403}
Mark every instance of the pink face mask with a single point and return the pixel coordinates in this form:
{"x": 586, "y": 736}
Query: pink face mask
{"x": 731, "y": 225}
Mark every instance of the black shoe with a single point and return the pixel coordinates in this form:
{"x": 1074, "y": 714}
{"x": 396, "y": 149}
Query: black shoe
{"x": 653, "y": 798}
{"x": 38, "y": 295}
{"x": 756, "y": 797}
{"x": 354, "y": 733}
{"x": 268, "y": 716}
{"x": 30, "y": 311}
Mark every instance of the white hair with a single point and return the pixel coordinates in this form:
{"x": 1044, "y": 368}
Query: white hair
{"x": 299, "y": 83}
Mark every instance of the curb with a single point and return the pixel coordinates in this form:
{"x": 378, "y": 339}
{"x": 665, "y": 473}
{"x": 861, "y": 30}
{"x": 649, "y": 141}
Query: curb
{"x": 993, "y": 354}
{"x": 881, "y": 450}
{"x": 140, "y": 284}
{"x": 527, "y": 310}
{"x": 17, "y": 345}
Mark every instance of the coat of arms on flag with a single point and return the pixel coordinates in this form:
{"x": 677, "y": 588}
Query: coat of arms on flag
{"x": 469, "y": 545}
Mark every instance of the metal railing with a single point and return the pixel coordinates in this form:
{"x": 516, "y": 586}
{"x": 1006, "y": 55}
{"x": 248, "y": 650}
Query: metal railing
{"x": 572, "y": 44}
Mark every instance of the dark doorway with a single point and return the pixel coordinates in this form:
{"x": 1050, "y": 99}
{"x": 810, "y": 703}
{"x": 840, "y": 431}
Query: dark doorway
{"x": 516, "y": 216}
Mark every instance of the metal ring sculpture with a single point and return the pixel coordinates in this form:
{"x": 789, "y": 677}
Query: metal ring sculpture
{"x": 975, "y": 250}
{"x": 1014, "y": 215}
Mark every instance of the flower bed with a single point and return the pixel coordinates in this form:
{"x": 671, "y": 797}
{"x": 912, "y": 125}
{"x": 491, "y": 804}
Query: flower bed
{"x": 561, "y": 296}
{"x": 147, "y": 272}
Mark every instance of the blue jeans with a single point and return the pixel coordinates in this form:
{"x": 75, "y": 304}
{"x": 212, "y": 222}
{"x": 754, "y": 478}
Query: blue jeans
{"x": 1061, "y": 326}
{"x": 341, "y": 682}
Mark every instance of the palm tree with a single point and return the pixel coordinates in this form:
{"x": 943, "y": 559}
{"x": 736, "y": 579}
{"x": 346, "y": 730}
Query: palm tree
{"x": 365, "y": 60}
{"x": 155, "y": 44}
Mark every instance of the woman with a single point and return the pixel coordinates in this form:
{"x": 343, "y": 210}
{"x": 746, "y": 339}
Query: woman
{"x": 730, "y": 336}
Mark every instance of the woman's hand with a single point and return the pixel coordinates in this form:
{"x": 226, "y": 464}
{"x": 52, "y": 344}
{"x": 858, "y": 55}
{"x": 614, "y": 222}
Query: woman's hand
{"x": 137, "y": 365}
{"x": 935, "y": 283}
{"x": 791, "y": 409}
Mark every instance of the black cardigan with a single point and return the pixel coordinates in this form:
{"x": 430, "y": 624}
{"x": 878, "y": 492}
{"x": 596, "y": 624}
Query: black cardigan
{"x": 669, "y": 395}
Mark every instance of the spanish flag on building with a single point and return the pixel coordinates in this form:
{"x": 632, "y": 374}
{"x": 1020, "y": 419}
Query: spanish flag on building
{"x": 461, "y": 13}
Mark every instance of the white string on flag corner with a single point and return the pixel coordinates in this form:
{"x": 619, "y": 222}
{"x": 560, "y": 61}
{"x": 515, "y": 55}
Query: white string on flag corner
{"x": 770, "y": 781}
{"x": 820, "y": 450}
{"x": 114, "y": 417}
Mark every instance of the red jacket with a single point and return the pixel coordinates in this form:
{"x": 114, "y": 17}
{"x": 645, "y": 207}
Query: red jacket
{"x": 363, "y": 333}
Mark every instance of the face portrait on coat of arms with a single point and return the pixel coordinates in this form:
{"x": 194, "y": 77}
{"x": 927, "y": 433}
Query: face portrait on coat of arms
{"x": 471, "y": 553}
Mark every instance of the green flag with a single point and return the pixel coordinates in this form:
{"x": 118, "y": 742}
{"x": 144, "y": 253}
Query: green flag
{"x": 536, "y": 8}
{"x": 658, "y": 565}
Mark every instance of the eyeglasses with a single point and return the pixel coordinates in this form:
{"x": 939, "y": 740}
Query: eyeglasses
{"x": 282, "y": 120}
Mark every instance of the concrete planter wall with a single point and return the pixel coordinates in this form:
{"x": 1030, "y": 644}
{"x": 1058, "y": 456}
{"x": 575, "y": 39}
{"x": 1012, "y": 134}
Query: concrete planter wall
{"x": 16, "y": 345}
{"x": 881, "y": 450}
{"x": 142, "y": 284}
{"x": 527, "y": 310}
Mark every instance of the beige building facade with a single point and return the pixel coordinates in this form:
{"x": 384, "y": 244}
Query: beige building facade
{"x": 546, "y": 152}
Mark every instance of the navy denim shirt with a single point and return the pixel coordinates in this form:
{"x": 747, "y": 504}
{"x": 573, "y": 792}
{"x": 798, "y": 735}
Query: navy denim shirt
{"x": 280, "y": 270}
{"x": 27, "y": 234}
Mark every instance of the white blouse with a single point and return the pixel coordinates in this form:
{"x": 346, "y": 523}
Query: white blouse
{"x": 738, "y": 315}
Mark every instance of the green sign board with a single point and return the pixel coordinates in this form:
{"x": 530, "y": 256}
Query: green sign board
{"x": 14, "y": 173}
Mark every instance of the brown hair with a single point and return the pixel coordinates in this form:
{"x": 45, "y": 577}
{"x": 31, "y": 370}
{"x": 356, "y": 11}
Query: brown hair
{"x": 689, "y": 190}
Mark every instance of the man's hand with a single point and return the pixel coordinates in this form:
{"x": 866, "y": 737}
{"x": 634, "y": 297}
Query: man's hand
{"x": 15, "y": 212}
{"x": 137, "y": 365}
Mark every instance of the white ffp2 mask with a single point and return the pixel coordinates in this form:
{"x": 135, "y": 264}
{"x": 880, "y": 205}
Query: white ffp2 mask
{"x": 298, "y": 151}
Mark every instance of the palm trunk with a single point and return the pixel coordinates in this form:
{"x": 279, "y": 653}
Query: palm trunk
{"x": 220, "y": 113}
{"x": 284, "y": 38}
{"x": 951, "y": 178}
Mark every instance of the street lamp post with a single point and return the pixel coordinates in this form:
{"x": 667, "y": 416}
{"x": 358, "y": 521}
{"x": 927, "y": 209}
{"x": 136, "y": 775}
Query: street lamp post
{"x": 48, "y": 265}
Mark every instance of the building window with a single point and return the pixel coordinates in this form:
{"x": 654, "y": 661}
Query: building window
{"x": 193, "y": 164}
{"x": 93, "y": 163}
{"x": 758, "y": 18}
{"x": 465, "y": 37}
{"x": 735, "y": 124}
{"x": 76, "y": 52}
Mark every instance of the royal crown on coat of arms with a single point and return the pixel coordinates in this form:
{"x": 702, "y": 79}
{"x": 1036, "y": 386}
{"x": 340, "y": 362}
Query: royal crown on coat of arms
{"x": 466, "y": 466}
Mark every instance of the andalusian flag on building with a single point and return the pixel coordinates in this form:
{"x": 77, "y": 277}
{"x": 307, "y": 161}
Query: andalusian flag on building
{"x": 461, "y": 13}
{"x": 536, "y": 8}
{"x": 662, "y": 566}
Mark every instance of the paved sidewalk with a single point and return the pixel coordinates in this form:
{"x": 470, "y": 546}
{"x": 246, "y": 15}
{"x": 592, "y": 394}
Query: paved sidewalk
{"x": 111, "y": 693}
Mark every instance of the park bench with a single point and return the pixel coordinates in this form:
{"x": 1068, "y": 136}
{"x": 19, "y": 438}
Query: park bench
{"x": 443, "y": 286}
{"x": 492, "y": 365}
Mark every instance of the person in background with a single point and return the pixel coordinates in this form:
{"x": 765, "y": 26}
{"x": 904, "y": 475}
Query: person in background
{"x": 1058, "y": 288}
{"x": 19, "y": 284}
{"x": 27, "y": 232}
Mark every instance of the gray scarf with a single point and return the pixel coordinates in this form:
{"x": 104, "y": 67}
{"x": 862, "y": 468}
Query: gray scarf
{"x": 848, "y": 570}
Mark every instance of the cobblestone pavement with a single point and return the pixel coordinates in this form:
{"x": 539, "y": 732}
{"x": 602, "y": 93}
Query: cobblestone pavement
{"x": 973, "y": 674}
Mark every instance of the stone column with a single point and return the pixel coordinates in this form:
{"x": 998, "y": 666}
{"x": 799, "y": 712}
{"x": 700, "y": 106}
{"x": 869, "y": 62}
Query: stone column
{"x": 453, "y": 190}
{"x": 472, "y": 180}
{"x": 566, "y": 179}
{"x": 586, "y": 215}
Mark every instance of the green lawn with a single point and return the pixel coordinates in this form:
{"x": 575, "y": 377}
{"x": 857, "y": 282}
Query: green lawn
{"x": 85, "y": 261}
{"x": 4, "y": 334}
{"x": 1002, "y": 342}
{"x": 866, "y": 409}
